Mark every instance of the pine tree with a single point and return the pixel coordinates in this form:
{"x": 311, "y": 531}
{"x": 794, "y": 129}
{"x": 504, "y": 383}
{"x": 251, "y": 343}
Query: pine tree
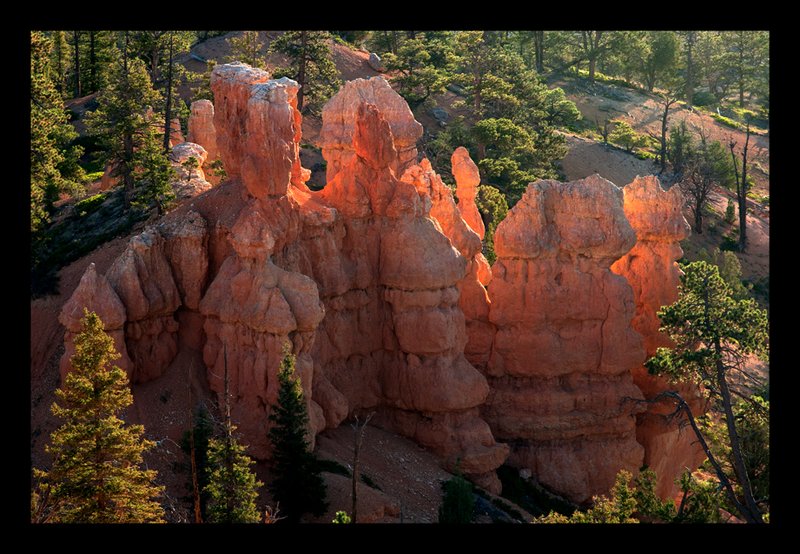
{"x": 246, "y": 48}
{"x": 713, "y": 334}
{"x": 311, "y": 65}
{"x": 53, "y": 159}
{"x": 458, "y": 503}
{"x": 122, "y": 119}
{"x": 154, "y": 174}
{"x": 97, "y": 474}
{"x": 298, "y": 485}
{"x": 232, "y": 488}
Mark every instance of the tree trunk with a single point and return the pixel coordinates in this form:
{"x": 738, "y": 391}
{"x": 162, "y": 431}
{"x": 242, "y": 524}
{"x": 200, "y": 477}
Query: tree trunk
{"x": 742, "y": 195}
{"x": 76, "y": 39}
{"x": 753, "y": 514}
{"x": 59, "y": 40}
{"x": 92, "y": 63}
{"x": 538, "y": 42}
{"x": 358, "y": 439}
{"x": 126, "y": 169}
{"x": 664, "y": 121}
{"x": 698, "y": 218}
{"x": 689, "y": 92}
{"x": 168, "y": 107}
{"x": 301, "y": 71}
{"x": 592, "y": 66}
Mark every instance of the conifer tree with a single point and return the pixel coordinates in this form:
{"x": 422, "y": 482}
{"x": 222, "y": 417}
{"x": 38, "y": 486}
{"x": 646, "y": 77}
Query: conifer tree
{"x": 97, "y": 474}
{"x": 298, "y": 485}
{"x": 311, "y": 65}
{"x": 122, "y": 120}
{"x": 54, "y": 166}
{"x": 232, "y": 488}
{"x": 246, "y": 48}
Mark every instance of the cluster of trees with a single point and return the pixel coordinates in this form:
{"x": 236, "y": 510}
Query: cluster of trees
{"x": 706, "y": 66}
{"x": 507, "y": 115}
{"x": 97, "y": 473}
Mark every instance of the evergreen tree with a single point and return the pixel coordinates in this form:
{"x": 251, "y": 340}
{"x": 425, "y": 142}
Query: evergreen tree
{"x": 713, "y": 333}
{"x": 200, "y": 434}
{"x": 493, "y": 208}
{"x": 458, "y": 503}
{"x": 620, "y": 508}
{"x": 247, "y": 48}
{"x": 122, "y": 120}
{"x": 96, "y": 475}
{"x": 154, "y": 174}
{"x": 298, "y": 485}
{"x": 54, "y": 166}
{"x": 311, "y": 65}
{"x": 232, "y": 488}
{"x": 423, "y": 65}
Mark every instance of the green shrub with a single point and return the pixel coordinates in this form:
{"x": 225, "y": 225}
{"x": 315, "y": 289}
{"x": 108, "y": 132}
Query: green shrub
{"x": 703, "y": 98}
{"x": 730, "y": 211}
{"x": 645, "y": 155}
{"x": 624, "y": 135}
{"x": 458, "y": 503}
{"x": 94, "y": 176}
{"x": 341, "y": 517}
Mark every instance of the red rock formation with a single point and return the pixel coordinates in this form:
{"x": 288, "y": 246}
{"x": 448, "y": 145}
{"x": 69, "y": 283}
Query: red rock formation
{"x": 426, "y": 387}
{"x": 378, "y": 283}
{"x": 467, "y": 181}
{"x": 231, "y": 84}
{"x": 95, "y": 294}
{"x": 473, "y": 299}
{"x": 339, "y": 119}
{"x": 560, "y": 368}
{"x": 252, "y": 309}
{"x": 201, "y": 127}
{"x": 142, "y": 278}
{"x": 650, "y": 268}
{"x": 189, "y": 183}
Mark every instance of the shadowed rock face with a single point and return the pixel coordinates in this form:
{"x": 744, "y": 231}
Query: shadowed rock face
{"x": 378, "y": 284}
{"x": 657, "y": 218}
{"x": 561, "y": 361}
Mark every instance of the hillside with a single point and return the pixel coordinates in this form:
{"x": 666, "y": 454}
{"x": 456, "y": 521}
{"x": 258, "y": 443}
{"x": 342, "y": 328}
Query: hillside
{"x": 373, "y": 274}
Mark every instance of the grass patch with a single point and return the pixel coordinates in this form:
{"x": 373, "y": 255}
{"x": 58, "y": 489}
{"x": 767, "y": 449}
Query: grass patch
{"x": 89, "y": 205}
{"x": 606, "y": 79}
{"x": 646, "y": 155}
{"x": 727, "y": 121}
{"x": 332, "y": 466}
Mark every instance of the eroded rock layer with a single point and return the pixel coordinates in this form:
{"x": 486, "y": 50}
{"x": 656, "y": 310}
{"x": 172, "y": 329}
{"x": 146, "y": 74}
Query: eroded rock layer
{"x": 657, "y": 218}
{"x": 378, "y": 285}
{"x": 561, "y": 361}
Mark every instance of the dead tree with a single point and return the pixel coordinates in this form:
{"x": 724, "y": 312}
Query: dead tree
{"x": 358, "y": 439}
{"x": 668, "y": 101}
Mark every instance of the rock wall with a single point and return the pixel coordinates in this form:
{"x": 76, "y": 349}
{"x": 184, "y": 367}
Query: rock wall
{"x": 561, "y": 360}
{"x": 378, "y": 284}
{"x": 657, "y": 218}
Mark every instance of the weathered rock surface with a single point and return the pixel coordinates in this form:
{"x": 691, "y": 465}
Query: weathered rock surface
{"x": 378, "y": 285}
{"x": 142, "y": 277}
{"x": 189, "y": 182}
{"x": 467, "y": 181}
{"x": 201, "y": 127}
{"x": 95, "y": 294}
{"x": 376, "y": 63}
{"x": 650, "y": 267}
{"x": 561, "y": 361}
{"x": 339, "y": 117}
